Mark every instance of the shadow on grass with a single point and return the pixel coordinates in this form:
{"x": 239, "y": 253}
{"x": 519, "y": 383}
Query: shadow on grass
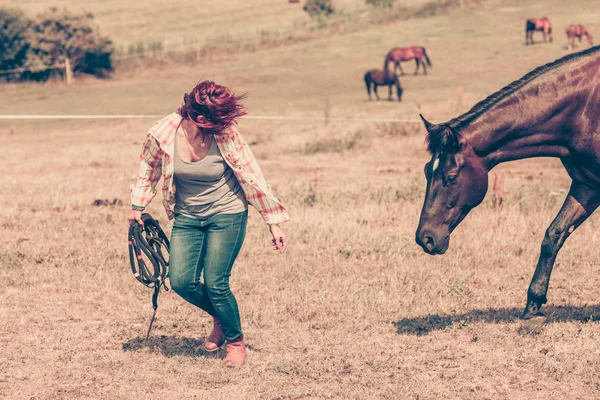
{"x": 171, "y": 346}
{"x": 423, "y": 325}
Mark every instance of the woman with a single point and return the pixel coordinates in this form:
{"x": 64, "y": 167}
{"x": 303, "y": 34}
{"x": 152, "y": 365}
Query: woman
{"x": 210, "y": 176}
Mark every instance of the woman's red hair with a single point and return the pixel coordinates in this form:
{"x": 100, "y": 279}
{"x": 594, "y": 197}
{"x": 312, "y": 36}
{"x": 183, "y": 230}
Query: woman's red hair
{"x": 212, "y": 107}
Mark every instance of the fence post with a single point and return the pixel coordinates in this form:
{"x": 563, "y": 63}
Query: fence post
{"x": 461, "y": 98}
{"x": 68, "y": 71}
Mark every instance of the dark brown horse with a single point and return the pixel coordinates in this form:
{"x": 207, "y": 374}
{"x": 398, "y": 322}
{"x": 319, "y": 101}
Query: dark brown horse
{"x": 537, "y": 24}
{"x": 551, "y": 112}
{"x": 399, "y": 54}
{"x": 577, "y": 32}
{"x": 377, "y": 77}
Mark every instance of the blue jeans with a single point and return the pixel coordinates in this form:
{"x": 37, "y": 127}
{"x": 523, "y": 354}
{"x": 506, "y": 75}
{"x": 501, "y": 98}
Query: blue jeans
{"x": 208, "y": 247}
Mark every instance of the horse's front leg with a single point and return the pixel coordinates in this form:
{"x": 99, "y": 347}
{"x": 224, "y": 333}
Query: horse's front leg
{"x": 417, "y": 62}
{"x": 580, "y": 204}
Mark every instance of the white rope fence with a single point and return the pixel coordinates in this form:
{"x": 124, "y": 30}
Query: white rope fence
{"x": 158, "y": 116}
{"x": 30, "y": 69}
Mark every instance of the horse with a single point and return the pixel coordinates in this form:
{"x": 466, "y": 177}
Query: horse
{"x": 377, "y": 77}
{"x": 577, "y": 31}
{"x": 399, "y": 54}
{"x": 537, "y": 24}
{"x": 550, "y": 112}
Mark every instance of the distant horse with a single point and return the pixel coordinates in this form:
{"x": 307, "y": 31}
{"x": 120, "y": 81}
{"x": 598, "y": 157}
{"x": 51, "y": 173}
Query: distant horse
{"x": 577, "y": 31}
{"x": 377, "y": 77}
{"x": 399, "y": 54}
{"x": 550, "y": 112}
{"x": 537, "y": 24}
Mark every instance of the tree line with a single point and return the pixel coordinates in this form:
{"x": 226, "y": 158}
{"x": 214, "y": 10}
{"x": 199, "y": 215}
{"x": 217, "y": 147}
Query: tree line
{"x": 54, "y": 42}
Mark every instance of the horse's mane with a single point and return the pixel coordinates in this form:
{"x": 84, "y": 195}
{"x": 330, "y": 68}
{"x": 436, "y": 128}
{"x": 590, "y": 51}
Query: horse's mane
{"x": 484, "y": 105}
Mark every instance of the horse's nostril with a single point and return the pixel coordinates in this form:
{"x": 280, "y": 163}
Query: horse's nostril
{"x": 429, "y": 242}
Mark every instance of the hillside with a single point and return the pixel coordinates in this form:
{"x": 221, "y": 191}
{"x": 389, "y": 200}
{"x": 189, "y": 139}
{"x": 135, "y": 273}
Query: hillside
{"x": 478, "y": 49}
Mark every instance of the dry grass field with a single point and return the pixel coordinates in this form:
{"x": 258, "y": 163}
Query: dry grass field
{"x": 354, "y": 309}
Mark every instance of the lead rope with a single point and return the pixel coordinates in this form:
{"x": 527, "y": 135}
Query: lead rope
{"x": 149, "y": 241}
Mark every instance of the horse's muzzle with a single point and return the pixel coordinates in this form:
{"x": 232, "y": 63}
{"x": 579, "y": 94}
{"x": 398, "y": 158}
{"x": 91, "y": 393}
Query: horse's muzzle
{"x": 432, "y": 244}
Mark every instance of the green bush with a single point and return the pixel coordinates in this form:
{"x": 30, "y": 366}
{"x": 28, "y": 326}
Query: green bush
{"x": 58, "y": 35}
{"x": 14, "y": 39}
{"x": 317, "y": 8}
{"x": 381, "y": 3}
{"x": 51, "y": 38}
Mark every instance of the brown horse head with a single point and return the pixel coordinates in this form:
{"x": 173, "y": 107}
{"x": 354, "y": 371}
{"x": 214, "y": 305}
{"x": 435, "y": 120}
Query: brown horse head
{"x": 589, "y": 36}
{"x": 457, "y": 181}
{"x": 548, "y": 28}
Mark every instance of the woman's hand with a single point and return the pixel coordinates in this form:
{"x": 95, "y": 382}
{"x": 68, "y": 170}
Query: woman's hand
{"x": 279, "y": 242}
{"x": 135, "y": 215}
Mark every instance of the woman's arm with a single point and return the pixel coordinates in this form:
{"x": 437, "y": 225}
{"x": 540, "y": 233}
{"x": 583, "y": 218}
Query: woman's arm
{"x": 149, "y": 174}
{"x": 257, "y": 190}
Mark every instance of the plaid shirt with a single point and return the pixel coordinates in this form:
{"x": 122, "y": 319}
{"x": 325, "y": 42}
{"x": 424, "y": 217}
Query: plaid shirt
{"x": 156, "y": 161}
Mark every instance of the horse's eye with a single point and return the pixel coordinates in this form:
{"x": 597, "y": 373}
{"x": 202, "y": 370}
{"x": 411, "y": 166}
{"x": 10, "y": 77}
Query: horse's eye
{"x": 451, "y": 179}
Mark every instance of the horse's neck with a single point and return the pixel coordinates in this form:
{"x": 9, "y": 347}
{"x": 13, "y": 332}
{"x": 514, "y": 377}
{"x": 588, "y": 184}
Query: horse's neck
{"x": 524, "y": 124}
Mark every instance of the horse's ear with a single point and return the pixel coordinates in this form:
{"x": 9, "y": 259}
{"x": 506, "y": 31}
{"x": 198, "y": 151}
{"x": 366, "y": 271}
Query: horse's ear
{"x": 440, "y": 137}
{"x": 433, "y": 134}
{"x": 431, "y": 128}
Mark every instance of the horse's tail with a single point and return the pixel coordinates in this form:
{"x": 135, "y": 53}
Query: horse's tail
{"x": 426, "y": 57}
{"x": 368, "y": 79}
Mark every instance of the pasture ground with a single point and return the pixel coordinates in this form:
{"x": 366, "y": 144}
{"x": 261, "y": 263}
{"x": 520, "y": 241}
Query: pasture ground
{"x": 354, "y": 309}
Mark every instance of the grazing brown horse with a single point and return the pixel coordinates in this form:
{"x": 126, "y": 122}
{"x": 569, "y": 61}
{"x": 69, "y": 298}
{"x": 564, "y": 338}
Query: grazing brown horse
{"x": 550, "y": 112}
{"x": 577, "y": 32}
{"x": 537, "y": 24}
{"x": 377, "y": 77}
{"x": 399, "y": 54}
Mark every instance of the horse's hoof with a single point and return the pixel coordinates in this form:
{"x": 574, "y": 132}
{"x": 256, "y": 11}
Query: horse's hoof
{"x": 533, "y": 324}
